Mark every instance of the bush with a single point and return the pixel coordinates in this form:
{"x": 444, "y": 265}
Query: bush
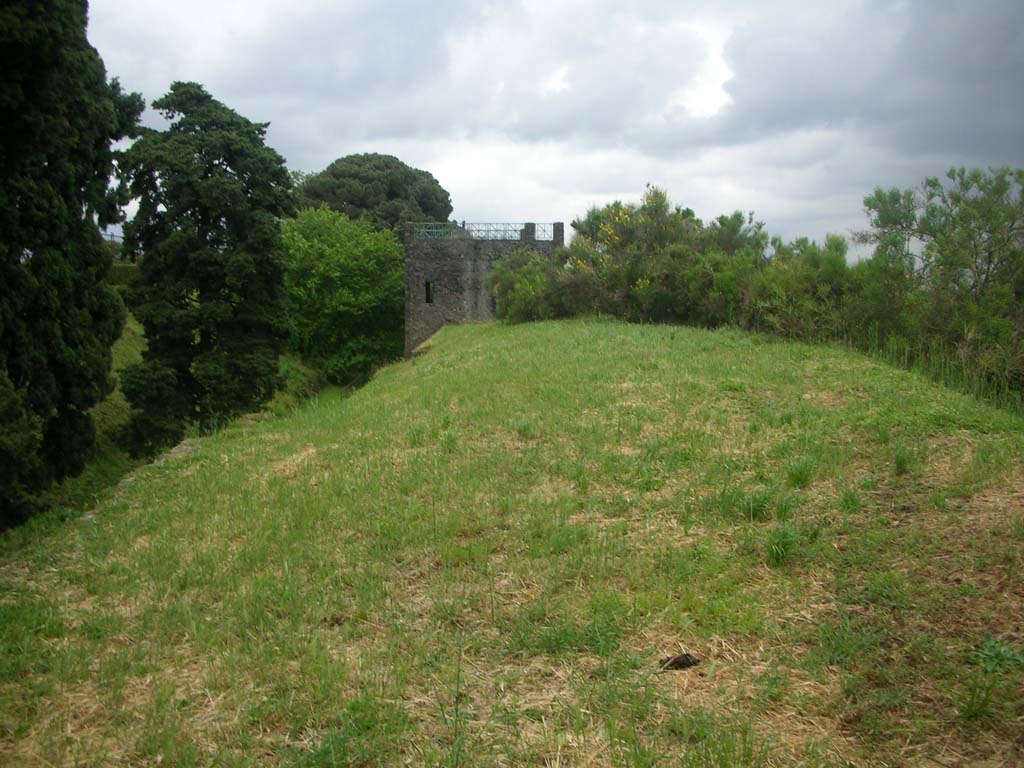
{"x": 523, "y": 284}
{"x": 943, "y": 290}
{"x": 344, "y": 284}
{"x": 298, "y": 383}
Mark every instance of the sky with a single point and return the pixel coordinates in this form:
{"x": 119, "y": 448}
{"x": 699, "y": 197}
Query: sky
{"x": 538, "y": 110}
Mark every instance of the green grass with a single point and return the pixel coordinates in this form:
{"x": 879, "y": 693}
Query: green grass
{"x": 782, "y": 541}
{"x": 480, "y": 558}
{"x": 109, "y": 464}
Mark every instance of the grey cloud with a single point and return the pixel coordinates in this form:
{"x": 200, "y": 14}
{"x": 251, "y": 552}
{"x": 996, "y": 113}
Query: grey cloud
{"x": 922, "y": 77}
{"x": 827, "y": 100}
{"x": 393, "y": 74}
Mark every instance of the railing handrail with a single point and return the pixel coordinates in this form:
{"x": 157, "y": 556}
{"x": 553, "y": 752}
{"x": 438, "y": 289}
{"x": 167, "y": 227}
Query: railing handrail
{"x": 451, "y": 230}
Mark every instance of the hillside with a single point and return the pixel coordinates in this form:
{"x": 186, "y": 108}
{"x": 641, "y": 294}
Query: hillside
{"x": 480, "y": 558}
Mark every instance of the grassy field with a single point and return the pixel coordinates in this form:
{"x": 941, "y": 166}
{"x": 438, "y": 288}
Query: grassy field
{"x": 480, "y": 558}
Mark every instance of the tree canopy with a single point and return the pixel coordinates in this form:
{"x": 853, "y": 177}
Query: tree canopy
{"x": 58, "y": 317}
{"x": 955, "y": 248}
{"x": 210, "y": 196}
{"x": 380, "y": 188}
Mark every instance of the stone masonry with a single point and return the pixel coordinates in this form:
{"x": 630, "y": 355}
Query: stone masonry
{"x": 446, "y": 269}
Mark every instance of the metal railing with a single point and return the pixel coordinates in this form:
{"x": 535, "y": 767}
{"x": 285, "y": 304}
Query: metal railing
{"x": 499, "y": 231}
{"x": 450, "y": 230}
{"x": 544, "y": 232}
{"x": 438, "y": 230}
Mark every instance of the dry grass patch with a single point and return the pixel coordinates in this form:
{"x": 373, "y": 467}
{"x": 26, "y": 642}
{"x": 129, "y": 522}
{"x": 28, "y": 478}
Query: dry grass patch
{"x": 290, "y": 467}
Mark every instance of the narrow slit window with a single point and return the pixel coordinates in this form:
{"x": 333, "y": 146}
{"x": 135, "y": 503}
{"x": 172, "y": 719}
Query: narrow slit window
{"x": 429, "y": 292}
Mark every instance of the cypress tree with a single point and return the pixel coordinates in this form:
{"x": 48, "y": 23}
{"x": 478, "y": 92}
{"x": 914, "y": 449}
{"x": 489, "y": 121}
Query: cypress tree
{"x": 58, "y": 317}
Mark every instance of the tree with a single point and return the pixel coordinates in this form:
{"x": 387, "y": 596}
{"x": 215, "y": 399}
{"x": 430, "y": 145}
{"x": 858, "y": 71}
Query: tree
{"x": 58, "y": 317}
{"x": 966, "y": 230}
{"x": 525, "y": 285}
{"x": 209, "y": 296}
{"x": 380, "y": 188}
{"x": 345, "y": 285}
{"x": 800, "y": 292}
{"x": 959, "y": 243}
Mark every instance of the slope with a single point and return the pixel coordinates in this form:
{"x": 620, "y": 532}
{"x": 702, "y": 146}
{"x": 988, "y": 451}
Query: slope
{"x": 481, "y": 557}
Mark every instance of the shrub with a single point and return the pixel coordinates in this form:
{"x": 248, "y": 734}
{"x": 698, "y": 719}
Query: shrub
{"x": 523, "y": 284}
{"x": 344, "y": 284}
{"x": 943, "y": 290}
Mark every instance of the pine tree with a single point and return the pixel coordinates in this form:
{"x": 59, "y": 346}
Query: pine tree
{"x": 380, "y": 188}
{"x": 210, "y": 194}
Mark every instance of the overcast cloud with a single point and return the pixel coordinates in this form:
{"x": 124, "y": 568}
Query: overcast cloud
{"x": 538, "y": 110}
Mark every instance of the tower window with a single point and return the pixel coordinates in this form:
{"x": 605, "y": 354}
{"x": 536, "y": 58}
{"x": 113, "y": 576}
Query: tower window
{"x": 429, "y": 292}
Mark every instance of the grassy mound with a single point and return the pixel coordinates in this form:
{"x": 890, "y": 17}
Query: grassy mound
{"x": 481, "y": 558}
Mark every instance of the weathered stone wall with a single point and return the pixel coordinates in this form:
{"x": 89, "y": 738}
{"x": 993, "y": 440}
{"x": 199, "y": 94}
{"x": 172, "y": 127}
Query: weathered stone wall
{"x": 456, "y": 270}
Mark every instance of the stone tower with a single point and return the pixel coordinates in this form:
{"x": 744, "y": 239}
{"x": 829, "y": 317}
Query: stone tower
{"x": 446, "y": 269}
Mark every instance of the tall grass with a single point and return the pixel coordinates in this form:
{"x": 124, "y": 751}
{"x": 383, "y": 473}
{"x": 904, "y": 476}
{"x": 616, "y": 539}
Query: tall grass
{"x": 940, "y": 362}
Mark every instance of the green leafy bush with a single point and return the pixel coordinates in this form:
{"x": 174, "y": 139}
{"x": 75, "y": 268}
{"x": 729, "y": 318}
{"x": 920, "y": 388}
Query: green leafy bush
{"x": 344, "y": 283}
{"x": 523, "y": 284}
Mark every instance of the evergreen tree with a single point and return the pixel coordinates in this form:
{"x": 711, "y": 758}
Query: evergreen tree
{"x": 210, "y": 197}
{"x": 58, "y": 317}
{"x": 380, "y": 188}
